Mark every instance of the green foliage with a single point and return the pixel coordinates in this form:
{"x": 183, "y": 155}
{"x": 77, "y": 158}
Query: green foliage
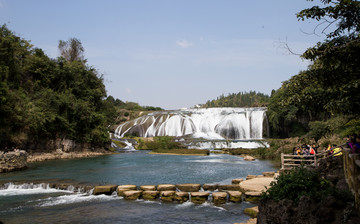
{"x": 302, "y": 182}
{"x": 163, "y": 142}
{"x": 183, "y": 151}
{"x": 242, "y": 99}
{"x": 43, "y": 98}
{"x": 318, "y": 129}
{"x": 329, "y": 88}
{"x": 351, "y": 127}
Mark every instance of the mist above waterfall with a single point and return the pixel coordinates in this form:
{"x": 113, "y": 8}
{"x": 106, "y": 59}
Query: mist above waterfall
{"x": 208, "y": 123}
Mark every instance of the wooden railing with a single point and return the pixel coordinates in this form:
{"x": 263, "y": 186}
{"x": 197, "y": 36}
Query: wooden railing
{"x": 289, "y": 161}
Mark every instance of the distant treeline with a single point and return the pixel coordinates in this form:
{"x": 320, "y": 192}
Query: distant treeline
{"x": 131, "y": 105}
{"x": 241, "y": 99}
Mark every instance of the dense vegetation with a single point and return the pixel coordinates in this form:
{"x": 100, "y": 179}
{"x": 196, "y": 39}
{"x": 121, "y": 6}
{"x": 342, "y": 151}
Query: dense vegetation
{"x": 325, "y": 98}
{"x": 241, "y": 99}
{"x": 302, "y": 182}
{"x": 43, "y": 98}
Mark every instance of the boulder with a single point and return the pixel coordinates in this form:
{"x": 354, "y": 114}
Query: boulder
{"x": 229, "y": 187}
{"x": 210, "y": 187}
{"x": 181, "y": 196}
{"x": 188, "y": 187}
{"x": 199, "y": 197}
{"x": 219, "y": 197}
{"x": 148, "y": 187}
{"x": 235, "y": 196}
{"x": 237, "y": 181}
{"x": 108, "y": 189}
{"x": 167, "y": 195}
{"x": 252, "y": 212}
{"x": 166, "y": 187}
{"x": 150, "y": 195}
{"x": 12, "y": 161}
{"x": 249, "y": 158}
{"x": 132, "y": 195}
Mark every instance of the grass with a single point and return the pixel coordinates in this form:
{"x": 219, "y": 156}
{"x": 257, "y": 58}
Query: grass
{"x": 182, "y": 151}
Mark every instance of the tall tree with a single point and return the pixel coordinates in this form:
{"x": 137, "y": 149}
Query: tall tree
{"x": 71, "y": 50}
{"x": 330, "y": 86}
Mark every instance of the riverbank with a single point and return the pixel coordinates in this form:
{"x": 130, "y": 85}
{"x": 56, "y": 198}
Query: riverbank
{"x": 39, "y": 157}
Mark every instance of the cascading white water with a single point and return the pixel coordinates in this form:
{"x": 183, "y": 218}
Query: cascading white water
{"x": 208, "y": 123}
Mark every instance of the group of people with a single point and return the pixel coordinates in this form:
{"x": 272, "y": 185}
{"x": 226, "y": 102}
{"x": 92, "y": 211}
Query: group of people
{"x": 354, "y": 143}
{"x": 305, "y": 150}
{"x": 12, "y": 149}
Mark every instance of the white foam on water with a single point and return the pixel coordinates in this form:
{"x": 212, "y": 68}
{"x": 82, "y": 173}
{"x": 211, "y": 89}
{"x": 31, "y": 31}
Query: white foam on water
{"x": 11, "y": 189}
{"x": 209, "y": 204}
{"x": 74, "y": 198}
{"x": 186, "y": 204}
{"x": 151, "y": 202}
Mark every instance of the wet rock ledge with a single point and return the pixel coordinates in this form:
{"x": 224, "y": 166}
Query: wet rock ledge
{"x": 11, "y": 161}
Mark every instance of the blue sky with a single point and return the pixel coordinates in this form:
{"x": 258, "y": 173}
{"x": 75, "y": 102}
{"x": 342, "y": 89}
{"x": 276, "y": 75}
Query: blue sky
{"x": 173, "y": 53}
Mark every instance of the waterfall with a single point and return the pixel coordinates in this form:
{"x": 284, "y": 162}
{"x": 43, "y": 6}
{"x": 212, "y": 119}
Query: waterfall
{"x": 208, "y": 123}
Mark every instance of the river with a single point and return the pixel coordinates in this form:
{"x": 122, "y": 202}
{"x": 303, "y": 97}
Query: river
{"x": 32, "y": 203}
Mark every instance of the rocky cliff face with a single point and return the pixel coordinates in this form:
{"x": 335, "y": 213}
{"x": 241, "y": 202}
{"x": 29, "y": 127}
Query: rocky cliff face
{"x": 307, "y": 210}
{"x": 62, "y": 145}
{"x": 11, "y": 161}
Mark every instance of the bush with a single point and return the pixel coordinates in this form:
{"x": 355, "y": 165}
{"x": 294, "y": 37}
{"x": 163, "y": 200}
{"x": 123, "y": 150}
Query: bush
{"x": 163, "y": 142}
{"x": 302, "y": 182}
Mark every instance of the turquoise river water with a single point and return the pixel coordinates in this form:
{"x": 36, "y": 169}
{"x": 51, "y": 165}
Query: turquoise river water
{"x": 23, "y": 202}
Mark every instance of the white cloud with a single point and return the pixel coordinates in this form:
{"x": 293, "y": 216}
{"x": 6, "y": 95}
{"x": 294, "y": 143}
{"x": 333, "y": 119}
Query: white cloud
{"x": 184, "y": 43}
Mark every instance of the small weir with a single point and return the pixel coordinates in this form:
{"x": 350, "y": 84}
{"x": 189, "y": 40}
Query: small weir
{"x": 194, "y": 193}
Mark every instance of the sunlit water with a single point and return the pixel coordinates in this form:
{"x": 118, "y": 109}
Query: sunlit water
{"x": 40, "y": 204}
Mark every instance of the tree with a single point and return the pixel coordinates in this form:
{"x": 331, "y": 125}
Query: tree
{"x": 72, "y": 50}
{"x": 329, "y": 88}
{"x": 342, "y": 16}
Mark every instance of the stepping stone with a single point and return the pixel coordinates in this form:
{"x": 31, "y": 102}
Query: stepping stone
{"x": 166, "y": 187}
{"x": 268, "y": 174}
{"x": 132, "y": 195}
{"x": 256, "y": 184}
{"x": 219, "y": 197}
{"x": 188, "y": 187}
{"x": 237, "y": 181}
{"x": 181, "y": 196}
{"x": 148, "y": 187}
{"x": 229, "y": 187}
{"x": 253, "y": 197}
{"x": 108, "y": 189}
{"x": 199, "y": 197}
{"x": 235, "y": 196}
{"x": 167, "y": 195}
{"x": 122, "y": 188}
{"x": 252, "y": 212}
{"x": 249, "y": 177}
{"x": 210, "y": 187}
{"x": 150, "y": 195}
